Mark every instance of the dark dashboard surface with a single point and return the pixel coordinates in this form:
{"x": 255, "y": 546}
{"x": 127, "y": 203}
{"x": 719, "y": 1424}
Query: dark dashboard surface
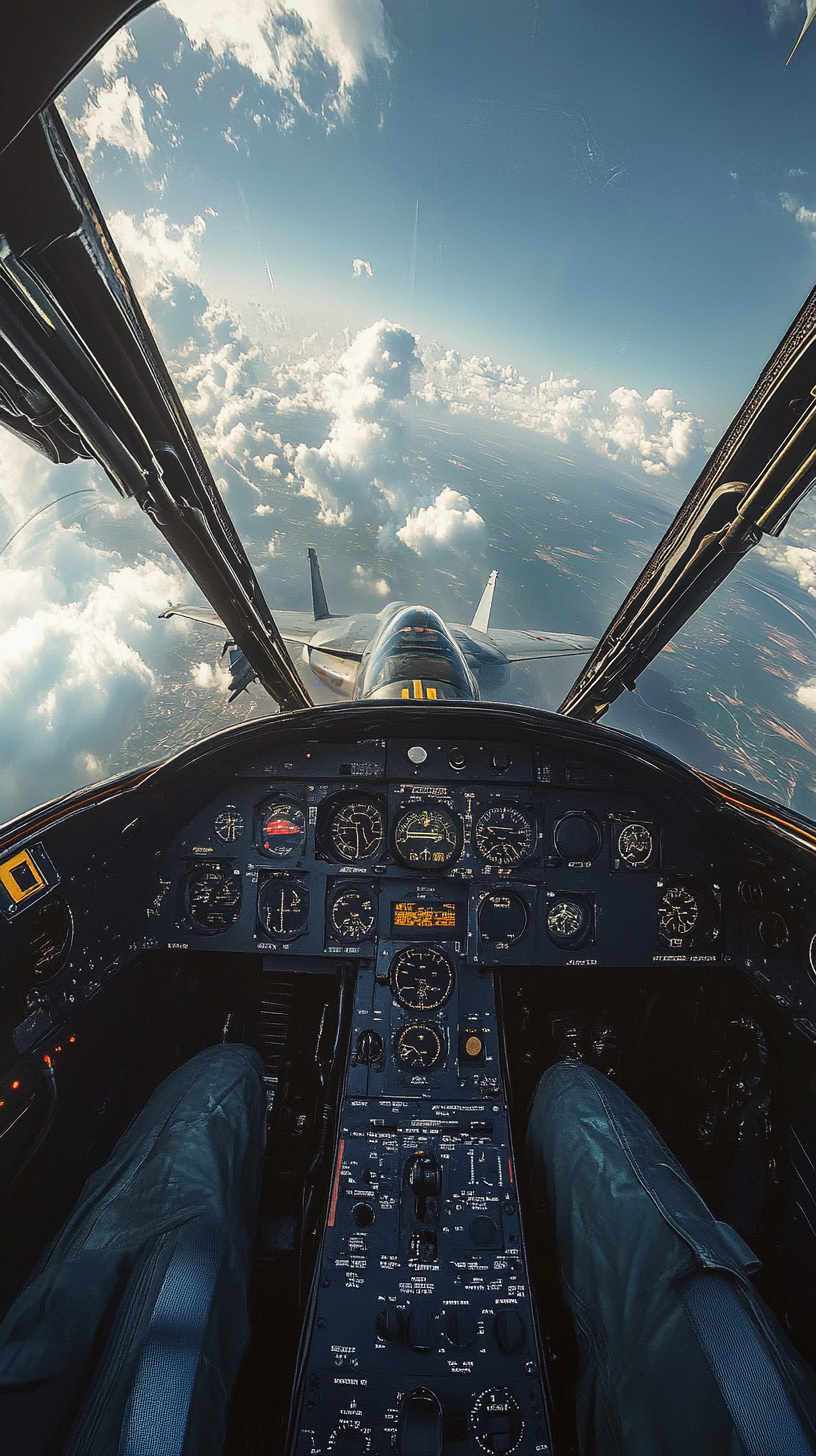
{"x": 429, "y": 842}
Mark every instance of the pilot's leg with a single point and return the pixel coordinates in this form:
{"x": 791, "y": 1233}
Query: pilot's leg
{"x": 176, "y": 1201}
{"x": 632, "y": 1238}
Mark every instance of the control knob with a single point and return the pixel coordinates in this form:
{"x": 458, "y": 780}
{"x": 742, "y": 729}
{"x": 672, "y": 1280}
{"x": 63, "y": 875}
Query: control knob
{"x": 460, "y": 1326}
{"x": 508, "y": 1327}
{"x": 419, "y": 1426}
{"x": 425, "y": 1180}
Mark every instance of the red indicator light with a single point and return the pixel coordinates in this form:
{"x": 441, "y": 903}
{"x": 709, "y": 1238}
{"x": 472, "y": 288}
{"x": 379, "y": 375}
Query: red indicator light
{"x": 47, "y": 1061}
{"x": 57, "y": 1049}
{"x": 510, "y": 1168}
{"x": 281, "y": 826}
{"x": 72, "y": 1038}
{"x": 14, "y": 1086}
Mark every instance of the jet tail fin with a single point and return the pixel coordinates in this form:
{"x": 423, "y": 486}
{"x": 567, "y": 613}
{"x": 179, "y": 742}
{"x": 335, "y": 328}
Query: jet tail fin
{"x": 481, "y": 617}
{"x": 319, "y": 603}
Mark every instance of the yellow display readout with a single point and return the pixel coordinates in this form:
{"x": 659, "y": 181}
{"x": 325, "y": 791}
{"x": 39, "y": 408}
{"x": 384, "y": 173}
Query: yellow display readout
{"x": 415, "y": 915}
{"x": 21, "y": 877}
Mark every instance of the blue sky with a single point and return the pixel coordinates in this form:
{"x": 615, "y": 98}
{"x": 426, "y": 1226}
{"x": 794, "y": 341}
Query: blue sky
{"x": 415, "y": 267}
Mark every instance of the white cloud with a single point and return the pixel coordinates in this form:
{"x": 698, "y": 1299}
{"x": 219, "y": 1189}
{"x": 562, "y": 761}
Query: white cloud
{"x": 121, "y": 47}
{"x": 287, "y": 42}
{"x": 74, "y": 674}
{"x": 806, "y": 694}
{"x": 114, "y": 114}
{"x": 653, "y": 433}
{"x": 361, "y": 462}
{"x": 359, "y": 266}
{"x": 781, "y": 12}
{"x": 449, "y": 522}
{"x": 212, "y": 677}
{"x": 802, "y": 561}
{"x": 804, "y": 215}
{"x": 365, "y": 577}
{"x": 157, "y": 252}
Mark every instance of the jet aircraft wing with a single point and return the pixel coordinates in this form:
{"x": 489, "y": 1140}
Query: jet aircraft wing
{"x": 764, "y": 465}
{"x": 525, "y": 645}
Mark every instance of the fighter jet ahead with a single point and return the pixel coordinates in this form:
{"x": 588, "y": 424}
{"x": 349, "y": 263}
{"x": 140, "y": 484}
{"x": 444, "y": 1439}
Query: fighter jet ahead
{"x": 402, "y": 652}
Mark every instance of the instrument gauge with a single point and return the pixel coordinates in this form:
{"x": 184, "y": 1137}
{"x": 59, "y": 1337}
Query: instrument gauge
{"x": 577, "y": 837}
{"x": 283, "y": 909}
{"x": 352, "y": 915}
{"x": 635, "y": 845}
{"x": 213, "y": 896}
{"x": 502, "y": 919}
{"x": 48, "y": 940}
{"x": 282, "y": 829}
{"x": 229, "y": 824}
{"x": 504, "y": 836}
{"x": 421, "y": 978}
{"x": 430, "y": 837}
{"x": 569, "y": 920}
{"x": 678, "y": 912}
{"x": 419, "y": 1048}
{"x": 356, "y": 830}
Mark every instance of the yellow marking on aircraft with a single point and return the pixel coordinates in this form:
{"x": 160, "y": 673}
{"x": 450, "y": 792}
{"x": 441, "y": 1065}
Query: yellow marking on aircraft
{"x": 417, "y": 687}
{"x": 406, "y": 693}
{"x": 430, "y": 692}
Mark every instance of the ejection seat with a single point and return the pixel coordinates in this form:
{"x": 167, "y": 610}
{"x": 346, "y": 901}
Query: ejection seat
{"x": 128, "y": 1337}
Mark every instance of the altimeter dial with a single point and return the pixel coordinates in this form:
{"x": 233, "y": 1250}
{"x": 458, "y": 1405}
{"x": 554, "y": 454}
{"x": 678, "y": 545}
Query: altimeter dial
{"x": 504, "y": 835}
{"x": 430, "y": 837}
{"x": 421, "y": 977}
{"x": 635, "y": 845}
{"x": 569, "y": 920}
{"x": 678, "y": 913}
{"x": 212, "y": 897}
{"x": 419, "y": 1048}
{"x": 352, "y": 915}
{"x": 356, "y": 830}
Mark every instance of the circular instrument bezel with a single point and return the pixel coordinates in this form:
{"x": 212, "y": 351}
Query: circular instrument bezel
{"x": 436, "y": 1038}
{"x": 225, "y": 872}
{"x": 625, "y": 855}
{"x": 489, "y": 900}
{"x": 405, "y": 964}
{"x": 281, "y": 809}
{"x": 346, "y": 805}
{"x": 482, "y": 830}
{"x": 44, "y": 947}
{"x": 574, "y": 816}
{"x": 266, "y": 889}
{"x": 701, "y": 928}
{"x": 345, "y": 891}
{"x": 231, "y": 822}
{"x": 582, "y": 932}
{"x": 436, "y": 860}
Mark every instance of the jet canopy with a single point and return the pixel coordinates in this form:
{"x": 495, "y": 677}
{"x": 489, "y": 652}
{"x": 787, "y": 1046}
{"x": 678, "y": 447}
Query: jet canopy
{"x": 415, "y": 656}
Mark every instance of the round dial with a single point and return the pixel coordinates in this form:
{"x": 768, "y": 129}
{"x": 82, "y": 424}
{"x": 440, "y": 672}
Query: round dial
{"x": 430, "y": 837}
{"x": 352, "y": 915}
{"x": 213, "y": 898}
{"x": 48, "y": 941}
{"x": 678, "y": 911}
{"x": 419, "y": 1047}
{"x": 229, "y": 824}
{"x": 635, "y": 844}
{"x": 421, "y": 978}
{"x": 577, "y": 837}
{"x": 503, "y": 835}
{"x": 773, "y": 930}
{"x": 568, "y": 920}
{"x": 496, "y": 1421}
{"x": 356, "y": 830}
{"x": 502, "y": 918}
{"x": 282, "y": 828}
{"x": 283, "y": 909}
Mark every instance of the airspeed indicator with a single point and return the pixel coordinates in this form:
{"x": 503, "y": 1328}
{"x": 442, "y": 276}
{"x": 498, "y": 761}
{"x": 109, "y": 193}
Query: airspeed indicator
{"x": 504, "y": 835}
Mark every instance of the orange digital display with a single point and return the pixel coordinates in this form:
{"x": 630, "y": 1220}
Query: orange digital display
{"x": 444, "y": 919}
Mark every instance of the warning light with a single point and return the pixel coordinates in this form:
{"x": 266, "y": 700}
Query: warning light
{"x": 72, "y": 1038}
{"x": 47, "y": 1061}
{"x": 14, "y": 1086}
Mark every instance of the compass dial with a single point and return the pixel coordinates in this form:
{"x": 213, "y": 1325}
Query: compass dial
{"x": 213, "y": 897}
{"x": 430, "y": 837}
{"x": 678, "y": 911}
{"x": 283, "y": 909}
{"x": 229, "y": 824}
{"x": 635, "y": 845}
{"x": 356, "y": 830}
{"x": 352, "y": 915}
{"x": 282, "y": 830}
{"x": 502, "y": 919}
{"x": 419, "y": 1047}
{"x": 504, "y": 835}
{"x": 421, "y": 978}
{"x": 568, "y": 920}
